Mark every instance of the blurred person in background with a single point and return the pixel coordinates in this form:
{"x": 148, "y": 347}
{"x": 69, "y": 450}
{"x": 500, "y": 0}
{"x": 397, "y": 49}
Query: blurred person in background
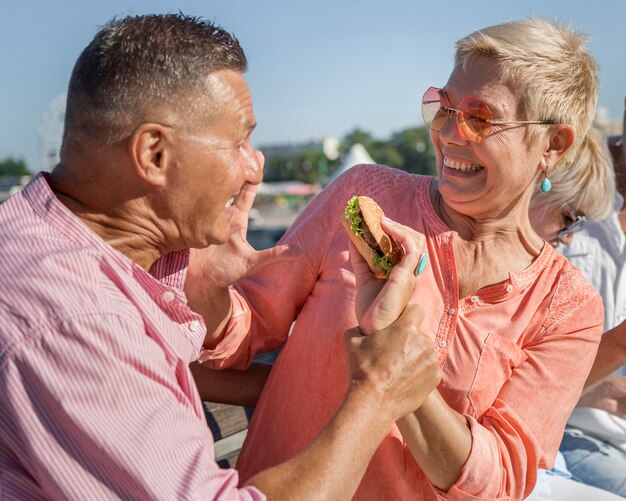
{"x": 594, "y": 444}
{"x": 582, "y": 202}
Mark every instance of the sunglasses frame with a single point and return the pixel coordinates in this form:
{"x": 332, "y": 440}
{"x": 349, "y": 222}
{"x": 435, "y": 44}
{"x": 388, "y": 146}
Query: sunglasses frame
{"x": 462, "y": 124}
{"x": 578, "y": 222}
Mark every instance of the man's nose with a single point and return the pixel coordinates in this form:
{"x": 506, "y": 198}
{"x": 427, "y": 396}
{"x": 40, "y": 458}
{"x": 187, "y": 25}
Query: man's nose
{"x": 254, "y": 167}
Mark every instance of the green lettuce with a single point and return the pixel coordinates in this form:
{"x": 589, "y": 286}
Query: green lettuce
{"x": 383, "y": 262}
{"x": 353, "y": 214}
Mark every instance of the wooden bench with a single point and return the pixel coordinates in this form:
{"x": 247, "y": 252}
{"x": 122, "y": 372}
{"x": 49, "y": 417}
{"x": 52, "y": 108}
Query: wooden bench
{"x": 229, "y": 426}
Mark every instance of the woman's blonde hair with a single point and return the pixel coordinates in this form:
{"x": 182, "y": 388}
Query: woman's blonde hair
{"x": 587, "y": 184}
{"x": 555, "y": 75}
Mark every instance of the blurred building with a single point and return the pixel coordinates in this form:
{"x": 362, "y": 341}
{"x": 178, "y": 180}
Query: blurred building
{"x": 10, "y": 185}
{"x": 604, "y": 123}
{"x": 356, "y": 155}
{"x": 328, "y": 145}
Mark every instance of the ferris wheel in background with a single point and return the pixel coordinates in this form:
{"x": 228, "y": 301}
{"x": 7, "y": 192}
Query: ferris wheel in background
{"x": 51, "y": 133}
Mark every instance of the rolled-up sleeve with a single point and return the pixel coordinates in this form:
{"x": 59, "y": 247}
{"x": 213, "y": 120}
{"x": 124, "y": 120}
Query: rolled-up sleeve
{"x": 236, "y": 340}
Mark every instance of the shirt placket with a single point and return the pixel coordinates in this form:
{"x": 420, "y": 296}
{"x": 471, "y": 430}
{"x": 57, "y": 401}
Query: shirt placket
{"x": 447, "y": 326}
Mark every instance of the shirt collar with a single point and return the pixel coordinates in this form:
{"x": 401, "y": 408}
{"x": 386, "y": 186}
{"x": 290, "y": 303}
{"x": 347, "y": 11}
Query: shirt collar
{"x": 169, "y": 270}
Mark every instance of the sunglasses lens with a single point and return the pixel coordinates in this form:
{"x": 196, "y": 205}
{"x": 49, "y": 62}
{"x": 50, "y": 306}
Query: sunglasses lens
{"x": 433, "y": 101}
{"x": 474, "y": 118}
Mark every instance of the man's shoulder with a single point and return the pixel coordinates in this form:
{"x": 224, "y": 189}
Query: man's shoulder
{"x": 47, "y": 276}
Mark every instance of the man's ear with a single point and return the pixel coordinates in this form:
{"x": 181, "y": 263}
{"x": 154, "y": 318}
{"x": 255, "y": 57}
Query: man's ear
{"x": 560, "y": 140}
{"x": 148, "y": 149}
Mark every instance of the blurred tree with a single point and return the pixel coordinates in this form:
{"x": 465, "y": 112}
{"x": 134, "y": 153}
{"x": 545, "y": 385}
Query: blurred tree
{"x": 356, "y": 136}
{"x": 416, "y": 150}
{"x": 12, "y": 167}
{"x": 409, "y": 150}
{"x": 308, "y": 166}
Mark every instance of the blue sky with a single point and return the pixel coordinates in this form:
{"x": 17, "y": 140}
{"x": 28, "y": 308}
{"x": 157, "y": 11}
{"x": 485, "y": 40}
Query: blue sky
{"x": 316, "y": 68}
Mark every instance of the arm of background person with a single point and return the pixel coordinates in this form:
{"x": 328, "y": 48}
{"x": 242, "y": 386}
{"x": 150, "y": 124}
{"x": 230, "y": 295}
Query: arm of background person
{"x": 610, "y": 357}
{"x": 609, "y": 395}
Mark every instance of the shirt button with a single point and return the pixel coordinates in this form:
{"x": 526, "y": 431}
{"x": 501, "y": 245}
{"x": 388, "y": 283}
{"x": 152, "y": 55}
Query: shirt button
{"x": 509, "y": 288}
{"x": 168, "y": 296}
{"x": 194, "y": 325}
{"x": 442, "y": 343}
{"x": 452, "y": 311}
{"x": 474, "y": 299}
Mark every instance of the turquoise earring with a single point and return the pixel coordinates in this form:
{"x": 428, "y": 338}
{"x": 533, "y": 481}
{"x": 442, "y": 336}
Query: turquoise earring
{"x": 546, "y": 185}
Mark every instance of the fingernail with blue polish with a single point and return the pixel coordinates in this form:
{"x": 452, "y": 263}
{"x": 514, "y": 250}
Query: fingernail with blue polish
{"x": 421, "y": 264}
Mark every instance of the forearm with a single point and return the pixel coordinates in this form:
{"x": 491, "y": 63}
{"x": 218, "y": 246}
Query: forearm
{"x": 229, "y": 386}
{"x": 215, "y": 307}
{"x": 333, "y": 465}
{"x": 439, "y": 439}
{"x": 610, "y": 357}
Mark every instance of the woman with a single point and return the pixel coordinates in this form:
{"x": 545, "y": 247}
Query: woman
{"x": 506, "y": 313}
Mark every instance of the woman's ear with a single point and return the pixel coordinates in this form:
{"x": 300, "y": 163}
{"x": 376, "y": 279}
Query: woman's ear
{"x": 560, "y": 140}
{"x": 148, "y": 149}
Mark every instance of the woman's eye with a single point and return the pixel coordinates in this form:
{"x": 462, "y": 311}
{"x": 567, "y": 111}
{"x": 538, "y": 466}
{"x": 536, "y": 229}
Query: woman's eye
{"x": 477, "y": 119}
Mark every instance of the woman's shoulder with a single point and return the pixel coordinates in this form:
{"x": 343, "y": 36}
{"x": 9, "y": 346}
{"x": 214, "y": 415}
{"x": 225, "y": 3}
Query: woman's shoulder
{"x": 572, "y": 292}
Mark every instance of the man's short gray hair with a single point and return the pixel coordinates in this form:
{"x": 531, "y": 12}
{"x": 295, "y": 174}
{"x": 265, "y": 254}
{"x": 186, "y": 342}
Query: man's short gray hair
{"x": 138, "y": 64}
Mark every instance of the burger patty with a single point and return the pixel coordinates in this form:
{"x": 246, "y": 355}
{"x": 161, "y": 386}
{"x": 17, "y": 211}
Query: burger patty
{"x": 368, "y": 237}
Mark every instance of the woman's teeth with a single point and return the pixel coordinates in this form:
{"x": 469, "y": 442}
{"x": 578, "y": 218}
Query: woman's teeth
{"x": 462, "y": 166}
{"x": 230, "y": 202}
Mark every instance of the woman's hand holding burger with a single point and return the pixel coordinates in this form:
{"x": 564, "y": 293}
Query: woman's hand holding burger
{"x": 380, "y": 302}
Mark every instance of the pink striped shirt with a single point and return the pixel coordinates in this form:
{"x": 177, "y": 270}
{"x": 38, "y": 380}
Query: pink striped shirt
{"x": 97, "y": 401}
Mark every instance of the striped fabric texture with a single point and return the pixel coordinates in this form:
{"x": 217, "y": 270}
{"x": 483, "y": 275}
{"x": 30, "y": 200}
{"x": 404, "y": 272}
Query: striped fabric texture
{"x": 96, "y": 398}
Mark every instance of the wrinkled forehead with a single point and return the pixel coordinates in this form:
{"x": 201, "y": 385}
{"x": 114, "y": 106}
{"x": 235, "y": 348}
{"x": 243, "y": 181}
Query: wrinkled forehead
{"x": 480, "y": 77}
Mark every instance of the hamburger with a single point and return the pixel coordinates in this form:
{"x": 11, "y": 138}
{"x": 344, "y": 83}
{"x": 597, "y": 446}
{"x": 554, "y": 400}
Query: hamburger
{"x": 362, "y": 222}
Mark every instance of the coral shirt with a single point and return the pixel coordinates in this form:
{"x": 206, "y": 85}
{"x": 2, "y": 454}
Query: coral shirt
{"x": 514, "y": 356}
{"x": 96, "y": 397}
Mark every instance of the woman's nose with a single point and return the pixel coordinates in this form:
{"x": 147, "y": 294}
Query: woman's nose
{"x": 451, "y": 132}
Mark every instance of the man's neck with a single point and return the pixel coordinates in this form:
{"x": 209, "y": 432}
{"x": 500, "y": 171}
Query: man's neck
{"x": 124, "y": 225}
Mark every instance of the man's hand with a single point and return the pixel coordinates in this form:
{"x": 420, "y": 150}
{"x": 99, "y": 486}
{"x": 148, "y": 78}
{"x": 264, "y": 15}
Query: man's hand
{"x": 397, "y": 362}
{"x": 213, "y": 269}
{"x": 609, "y": 395}
{"x": 380, "y": 302}
{"x": 219, "y": 266}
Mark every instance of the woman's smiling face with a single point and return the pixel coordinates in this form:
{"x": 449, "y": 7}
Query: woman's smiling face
{"x": 483, "y": 179}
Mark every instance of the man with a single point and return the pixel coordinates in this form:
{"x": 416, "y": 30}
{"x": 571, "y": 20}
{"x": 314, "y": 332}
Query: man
{"x": 96, "y": 333}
